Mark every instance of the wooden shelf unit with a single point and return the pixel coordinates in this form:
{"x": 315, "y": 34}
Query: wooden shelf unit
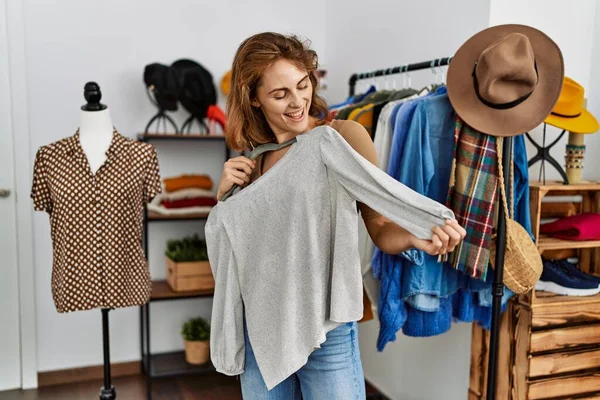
{"x": 162, "y": 291}
{"x": 169, "y": 364}
{"x": 155, "y": 216}
{"x": 146, "y": 137}
{"x": 549, "y": 243}
{"x": 173, "y": 364}
{"x": 549, "y": 344}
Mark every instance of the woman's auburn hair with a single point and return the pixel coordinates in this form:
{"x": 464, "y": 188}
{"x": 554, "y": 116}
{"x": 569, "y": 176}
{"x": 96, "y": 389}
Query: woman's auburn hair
{"x": 246, "y": 124}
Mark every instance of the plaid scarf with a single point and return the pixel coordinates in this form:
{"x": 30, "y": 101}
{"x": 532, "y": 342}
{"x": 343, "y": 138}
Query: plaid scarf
{"x": 472, "y": 197}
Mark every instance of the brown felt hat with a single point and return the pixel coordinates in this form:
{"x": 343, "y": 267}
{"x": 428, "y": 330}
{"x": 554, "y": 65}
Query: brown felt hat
{"x": 505, "y": 80}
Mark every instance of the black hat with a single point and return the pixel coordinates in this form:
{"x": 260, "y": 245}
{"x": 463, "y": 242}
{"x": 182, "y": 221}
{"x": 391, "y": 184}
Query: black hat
{"x": 166, "y": 84}
{"x": 197, "y": 87}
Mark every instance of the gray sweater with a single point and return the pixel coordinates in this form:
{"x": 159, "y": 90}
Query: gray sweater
{"x": 284, "y": 251}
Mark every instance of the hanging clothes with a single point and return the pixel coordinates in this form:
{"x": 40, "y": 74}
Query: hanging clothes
{"x": 385, "y": 128}
{"x": 354, "y": 99}
{"x": 382, "y": 140}
{"x": 470, "y": 303}
{"x": 403, "y": 118}
{"x": 374, "y": 98}
{"x": 412, "y": 291}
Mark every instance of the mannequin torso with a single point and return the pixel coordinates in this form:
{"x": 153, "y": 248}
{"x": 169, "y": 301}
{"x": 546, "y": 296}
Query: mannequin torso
{"x": 95, "y": 136}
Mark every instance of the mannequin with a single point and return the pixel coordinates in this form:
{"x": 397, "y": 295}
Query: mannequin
{"x": 95, "y": 184}
{"x": 95, "y": 136}
{"x": 95, "y": 127}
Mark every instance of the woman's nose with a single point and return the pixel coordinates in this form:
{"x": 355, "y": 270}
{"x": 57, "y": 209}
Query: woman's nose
{"x": 296, "y": 99}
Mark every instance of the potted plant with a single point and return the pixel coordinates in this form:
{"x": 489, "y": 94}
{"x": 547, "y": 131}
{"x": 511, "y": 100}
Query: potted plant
{"x": 196, "y": 335}
{"x": 187, "y": 263}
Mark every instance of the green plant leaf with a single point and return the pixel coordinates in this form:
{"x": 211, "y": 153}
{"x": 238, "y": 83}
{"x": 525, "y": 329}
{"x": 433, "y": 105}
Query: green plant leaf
{"x": 196, "y": 329}
{"x": 189, "y": 248}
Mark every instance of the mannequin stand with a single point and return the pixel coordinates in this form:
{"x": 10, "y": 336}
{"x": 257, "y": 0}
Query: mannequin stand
{"x": 110, "y": 393}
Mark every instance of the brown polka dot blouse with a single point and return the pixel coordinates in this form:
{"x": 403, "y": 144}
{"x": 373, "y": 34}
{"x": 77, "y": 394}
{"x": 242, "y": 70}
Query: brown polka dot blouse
{"x": 96, "y": 221}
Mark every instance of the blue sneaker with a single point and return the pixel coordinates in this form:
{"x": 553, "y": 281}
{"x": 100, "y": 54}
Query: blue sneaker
{"x": 564, "y": 281}
{"x": 568, "y": 265}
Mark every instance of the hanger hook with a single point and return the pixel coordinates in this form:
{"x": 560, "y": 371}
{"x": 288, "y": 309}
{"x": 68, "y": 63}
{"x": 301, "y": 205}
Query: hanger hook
{"x": 403, "y": 72}
{"x": 403, "y": 77}
{"x": 385, "y": 78}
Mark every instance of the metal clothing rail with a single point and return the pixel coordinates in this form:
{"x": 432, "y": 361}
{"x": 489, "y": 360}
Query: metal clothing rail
{"x": 440, "y": 62}
{"x": 498, "y": 285}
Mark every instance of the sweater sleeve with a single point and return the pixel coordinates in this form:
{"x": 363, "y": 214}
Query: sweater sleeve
{"x": 370, "y": 185}
{"x": 358, "y": 138}
{"x": 227, "y": 343}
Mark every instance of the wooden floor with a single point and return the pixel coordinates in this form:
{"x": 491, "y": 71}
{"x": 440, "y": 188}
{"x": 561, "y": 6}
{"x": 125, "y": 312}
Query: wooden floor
{"x": 211, "y": 386}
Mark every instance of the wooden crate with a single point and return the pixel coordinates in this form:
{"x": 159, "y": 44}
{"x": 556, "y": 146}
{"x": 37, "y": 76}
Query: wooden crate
{"x": 549, "y": 344}
{"x": 587, "y": 251}
{"x": 189, "y": 276}
{"x": 512, "y": 355}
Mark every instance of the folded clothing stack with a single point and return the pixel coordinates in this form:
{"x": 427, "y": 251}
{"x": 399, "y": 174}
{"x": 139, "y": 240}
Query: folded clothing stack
{"x": 186, "y": 181}
{"x": 585, "y": 226}
{"x": 565, "y": 278}
{"x": 184, "y": 194}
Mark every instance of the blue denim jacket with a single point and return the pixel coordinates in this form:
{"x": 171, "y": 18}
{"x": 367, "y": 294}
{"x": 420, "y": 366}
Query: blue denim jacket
{"x": 473, "y": 301}
{"x": 425, "y": 167}
{"x": 421, "y": 158}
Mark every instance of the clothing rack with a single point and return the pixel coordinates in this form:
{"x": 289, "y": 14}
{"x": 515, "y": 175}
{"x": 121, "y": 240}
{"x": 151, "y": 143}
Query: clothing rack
{"x": 439, "y": 62}
{"x": 498, "y": 285}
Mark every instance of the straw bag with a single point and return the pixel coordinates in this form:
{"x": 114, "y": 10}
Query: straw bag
{"x": 522, "y": 260}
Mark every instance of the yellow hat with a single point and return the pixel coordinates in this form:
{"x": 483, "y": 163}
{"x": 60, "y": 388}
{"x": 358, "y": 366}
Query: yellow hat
{"x": 569, "y": 113}
{"x": 226, "y": 83}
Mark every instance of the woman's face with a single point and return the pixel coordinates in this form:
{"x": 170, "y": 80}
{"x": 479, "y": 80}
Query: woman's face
{"x": 284, "y": 94}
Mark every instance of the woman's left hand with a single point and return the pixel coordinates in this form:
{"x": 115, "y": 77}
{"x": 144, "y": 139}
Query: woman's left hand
{"x": 444, "y": 239}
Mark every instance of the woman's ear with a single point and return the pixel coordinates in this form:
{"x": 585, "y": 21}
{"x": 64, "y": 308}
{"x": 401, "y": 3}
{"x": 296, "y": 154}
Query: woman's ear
{"x": 255, "y": 103}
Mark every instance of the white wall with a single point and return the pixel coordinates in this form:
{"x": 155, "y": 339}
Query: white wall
{"x": 572, "y": 28}
{"x": 10, "y": 338}
{"x": 384, "y": 34}
{"x": 591, "y": 169}
{"x": 71, "y": 42}
{"x": 381, "y": 35}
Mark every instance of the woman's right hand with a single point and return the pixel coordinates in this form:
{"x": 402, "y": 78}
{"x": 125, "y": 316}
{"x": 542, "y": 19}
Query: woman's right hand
{"x": 237, "y": 171}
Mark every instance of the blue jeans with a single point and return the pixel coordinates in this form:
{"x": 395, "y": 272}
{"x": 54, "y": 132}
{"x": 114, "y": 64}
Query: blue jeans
{"x": 332, "y": 372}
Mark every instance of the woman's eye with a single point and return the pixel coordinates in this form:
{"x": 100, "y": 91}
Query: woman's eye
{"x": 304, "y": 87}
{"x": 280, "y": 97}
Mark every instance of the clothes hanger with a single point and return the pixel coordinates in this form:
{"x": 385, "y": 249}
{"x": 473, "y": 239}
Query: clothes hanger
{"x": 256, "y": 151}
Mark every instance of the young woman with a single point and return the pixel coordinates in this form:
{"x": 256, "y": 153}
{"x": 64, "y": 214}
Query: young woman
{"x": 273, "y": 99}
